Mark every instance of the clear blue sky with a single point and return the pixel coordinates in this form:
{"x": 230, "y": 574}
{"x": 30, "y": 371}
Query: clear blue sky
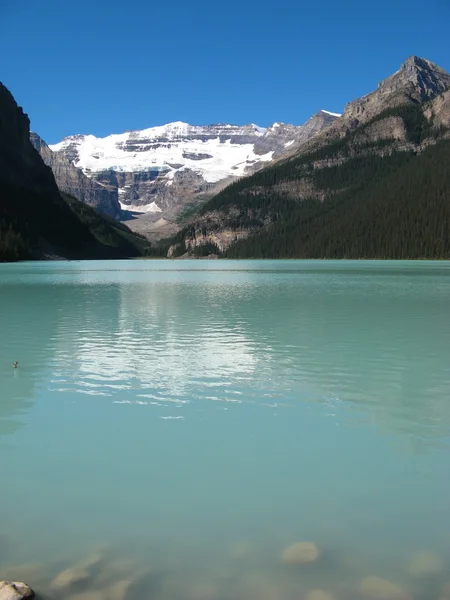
{"x": 97, "y": 66}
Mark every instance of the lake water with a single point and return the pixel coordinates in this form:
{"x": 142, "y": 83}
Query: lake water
{"x": 174, "y": 426}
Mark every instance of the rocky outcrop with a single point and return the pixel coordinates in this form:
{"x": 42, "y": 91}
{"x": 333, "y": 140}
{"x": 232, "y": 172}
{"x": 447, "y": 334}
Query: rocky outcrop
{"x": 280, "y": 136}
{"x": 418, "y": 81}
{"x": 15, "y": 590}
{"x": 73, "y": 181}
{"x": 439, "y": 110}
{"x": 140, "y": 189}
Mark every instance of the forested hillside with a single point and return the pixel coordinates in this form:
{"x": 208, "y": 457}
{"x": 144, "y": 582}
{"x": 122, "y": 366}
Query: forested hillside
{"x": 356, "y": 197}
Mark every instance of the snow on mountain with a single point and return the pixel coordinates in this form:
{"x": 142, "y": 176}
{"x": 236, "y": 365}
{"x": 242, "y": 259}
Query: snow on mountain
{"x": 215, "y": 152}
{"x": 327, "y": 112}
{"x": 162, "y": 168}
{"x": 141, "y": 208}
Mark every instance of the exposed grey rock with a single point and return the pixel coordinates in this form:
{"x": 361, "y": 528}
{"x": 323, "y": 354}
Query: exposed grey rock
{"x": 281, "y": 136}
{"x": 439, "y": 110}
{"x": 418, "y": 81}
{"x": 73, "y": 181}
{"x": 15, "y": 590}
{"x": 171, "y": 186}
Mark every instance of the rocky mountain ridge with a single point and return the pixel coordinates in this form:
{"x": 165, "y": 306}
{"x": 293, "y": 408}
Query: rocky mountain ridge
{"x": 417, "y": 82}
{"x": 379, "y": 136}
{"x": 73, "y": 181}
{"x": 161, "y": 169}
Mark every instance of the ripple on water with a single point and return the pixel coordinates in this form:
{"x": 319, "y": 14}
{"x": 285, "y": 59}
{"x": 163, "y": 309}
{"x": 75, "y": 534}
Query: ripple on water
{"x": 309, "y": 402}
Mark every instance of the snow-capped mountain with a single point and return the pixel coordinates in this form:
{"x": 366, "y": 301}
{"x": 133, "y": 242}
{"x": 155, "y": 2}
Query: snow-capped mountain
{"x": 215, "y": 151}
{"x": 162, "y": 168}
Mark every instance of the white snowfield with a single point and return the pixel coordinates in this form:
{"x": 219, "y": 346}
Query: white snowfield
{"x": 327, "y": 112}
{"x": 141, "y": 208}
{"x": 215, "y": 151}
{"x": 168, "y": 149}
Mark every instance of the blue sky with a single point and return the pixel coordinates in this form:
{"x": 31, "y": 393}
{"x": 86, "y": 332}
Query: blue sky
{"x": 97, "y": 66}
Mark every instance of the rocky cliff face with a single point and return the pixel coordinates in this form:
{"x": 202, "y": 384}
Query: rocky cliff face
{"x": 281, "y": 137}
{"x": 161, "y": 169}
{"x": 73, "y": 181}
{"x": 439, "y": 110}
{"x": 418, "y": 81}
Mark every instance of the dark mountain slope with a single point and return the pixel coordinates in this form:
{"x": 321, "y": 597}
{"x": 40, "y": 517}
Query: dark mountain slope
{"x": 36, "y": 220}
{"x": 393, "y": 207}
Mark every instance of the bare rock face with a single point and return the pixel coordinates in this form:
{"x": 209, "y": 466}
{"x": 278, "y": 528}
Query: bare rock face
{"x": 391, "y": 128}
{"x": 301, "y": 553}
{"x": 161, "y": 169}
{"x": 15, "y": 590}
{"x": 73, "y": 181}
{"x": 280, "y": 137}
{"x": 144, "y": 188}
{"x": 418, "y": 80}
{"x": 439, "y": 110}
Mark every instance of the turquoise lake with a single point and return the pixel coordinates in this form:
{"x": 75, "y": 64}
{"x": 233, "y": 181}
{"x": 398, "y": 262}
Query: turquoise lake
{"x": 174, "y": 426}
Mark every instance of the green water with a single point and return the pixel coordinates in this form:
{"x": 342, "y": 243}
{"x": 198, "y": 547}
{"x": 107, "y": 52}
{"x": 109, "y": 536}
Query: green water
{"x": 189, "y": 420}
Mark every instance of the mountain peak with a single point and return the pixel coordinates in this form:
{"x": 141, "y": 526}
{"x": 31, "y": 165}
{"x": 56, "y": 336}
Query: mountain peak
{"x": 416, "y": 62}
{"x": 421, "y": 79}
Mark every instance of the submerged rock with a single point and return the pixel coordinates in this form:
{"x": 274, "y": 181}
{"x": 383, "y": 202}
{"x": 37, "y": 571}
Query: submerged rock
{"x": 376, "y": 588}
{"x": 426, "y": 563}
{"x": 15, "y": 590}
{"x": 71, "y": 579}
{"x": 301, "y": 553}
{"x": 318, "y": 595}
{"x": 77, "y": 577}
{"x": 118, "y": 569}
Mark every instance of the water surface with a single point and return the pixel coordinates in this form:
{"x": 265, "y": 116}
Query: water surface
{"x": 192, "y": 419}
